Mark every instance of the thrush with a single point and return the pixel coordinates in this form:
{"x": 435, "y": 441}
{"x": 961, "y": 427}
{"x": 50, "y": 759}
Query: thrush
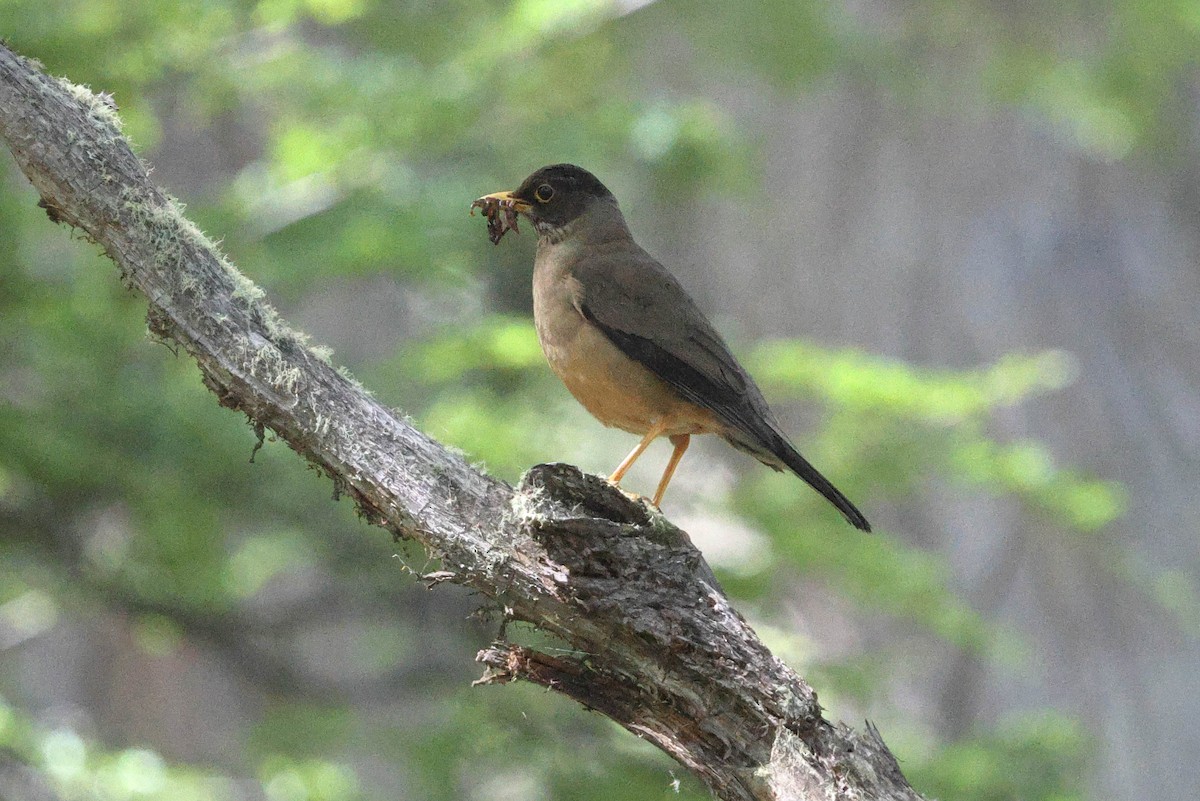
{"x": 627, "y": 340}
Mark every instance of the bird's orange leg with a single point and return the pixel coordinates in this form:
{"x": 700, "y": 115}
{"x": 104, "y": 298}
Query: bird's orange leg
{"x": 623, "y": 468}
{"x": 681, "y": 442}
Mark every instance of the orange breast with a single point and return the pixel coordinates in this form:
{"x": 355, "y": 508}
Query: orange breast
{"x": 617, "y": 390}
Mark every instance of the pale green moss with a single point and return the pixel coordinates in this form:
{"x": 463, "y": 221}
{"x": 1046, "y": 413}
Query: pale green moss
{"x": 525, "y": 504}
{"x": 345, "y": 373}
{"x": 100, "y": 108}
{"x": 322, "y": 353}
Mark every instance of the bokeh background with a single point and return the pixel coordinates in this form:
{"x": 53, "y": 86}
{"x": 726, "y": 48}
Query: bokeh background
{"x": 955, "y": 240}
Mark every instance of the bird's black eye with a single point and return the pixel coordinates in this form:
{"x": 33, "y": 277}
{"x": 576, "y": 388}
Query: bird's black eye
{"x": 544, "y": 193}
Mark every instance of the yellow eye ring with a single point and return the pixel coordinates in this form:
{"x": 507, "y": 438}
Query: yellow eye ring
{"x": 544, "y": 193}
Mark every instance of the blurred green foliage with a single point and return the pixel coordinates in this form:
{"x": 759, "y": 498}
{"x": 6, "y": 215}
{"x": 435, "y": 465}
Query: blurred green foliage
{"x": 1049, "y": 749}
{"x": 74, "y": 768}
{"x": 334, "y": 145}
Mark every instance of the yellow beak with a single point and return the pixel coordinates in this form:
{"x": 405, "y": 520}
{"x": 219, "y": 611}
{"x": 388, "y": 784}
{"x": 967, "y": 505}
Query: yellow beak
{"x": 508, "y": 199}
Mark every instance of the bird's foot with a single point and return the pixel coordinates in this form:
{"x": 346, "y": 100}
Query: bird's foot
{"x": 633, "y": 496}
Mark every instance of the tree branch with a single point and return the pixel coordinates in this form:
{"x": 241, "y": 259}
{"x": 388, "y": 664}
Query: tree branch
{"x": 658, "y": 647}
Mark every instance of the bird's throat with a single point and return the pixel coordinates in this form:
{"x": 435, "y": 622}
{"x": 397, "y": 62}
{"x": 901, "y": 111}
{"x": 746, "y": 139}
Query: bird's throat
{"x": 553, "y": 234}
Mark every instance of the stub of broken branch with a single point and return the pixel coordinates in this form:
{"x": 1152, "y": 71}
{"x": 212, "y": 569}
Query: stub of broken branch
{"x": 507, "y": 663}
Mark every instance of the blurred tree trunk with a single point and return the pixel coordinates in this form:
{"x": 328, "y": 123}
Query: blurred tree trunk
{"x": 657, "y": 647}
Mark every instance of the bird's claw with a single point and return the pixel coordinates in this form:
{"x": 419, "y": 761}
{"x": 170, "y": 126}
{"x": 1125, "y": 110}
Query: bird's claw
{"x": 633, "y": 496}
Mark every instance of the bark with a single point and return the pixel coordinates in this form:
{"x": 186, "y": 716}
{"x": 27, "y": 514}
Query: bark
{"x": 655, "y": 644}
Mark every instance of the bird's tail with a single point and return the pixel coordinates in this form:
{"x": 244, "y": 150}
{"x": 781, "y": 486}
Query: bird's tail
{"x": 800, "y": 466}
{"x": 778, "y": 453}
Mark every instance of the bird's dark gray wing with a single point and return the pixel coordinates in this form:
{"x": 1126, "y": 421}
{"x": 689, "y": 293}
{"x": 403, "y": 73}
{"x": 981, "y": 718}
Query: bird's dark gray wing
{"x": 647, "y": 314}
{"x": 644, "y": 311}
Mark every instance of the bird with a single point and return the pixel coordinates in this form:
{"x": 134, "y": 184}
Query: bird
{"x": 628, "y": 341}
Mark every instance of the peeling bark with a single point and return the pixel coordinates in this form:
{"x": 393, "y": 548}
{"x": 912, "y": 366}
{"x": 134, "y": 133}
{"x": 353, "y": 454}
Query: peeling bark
{"x": 657, "y": 647}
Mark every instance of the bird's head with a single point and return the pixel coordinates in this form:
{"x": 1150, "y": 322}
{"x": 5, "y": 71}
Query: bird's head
{"x": 552, "y": 197}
